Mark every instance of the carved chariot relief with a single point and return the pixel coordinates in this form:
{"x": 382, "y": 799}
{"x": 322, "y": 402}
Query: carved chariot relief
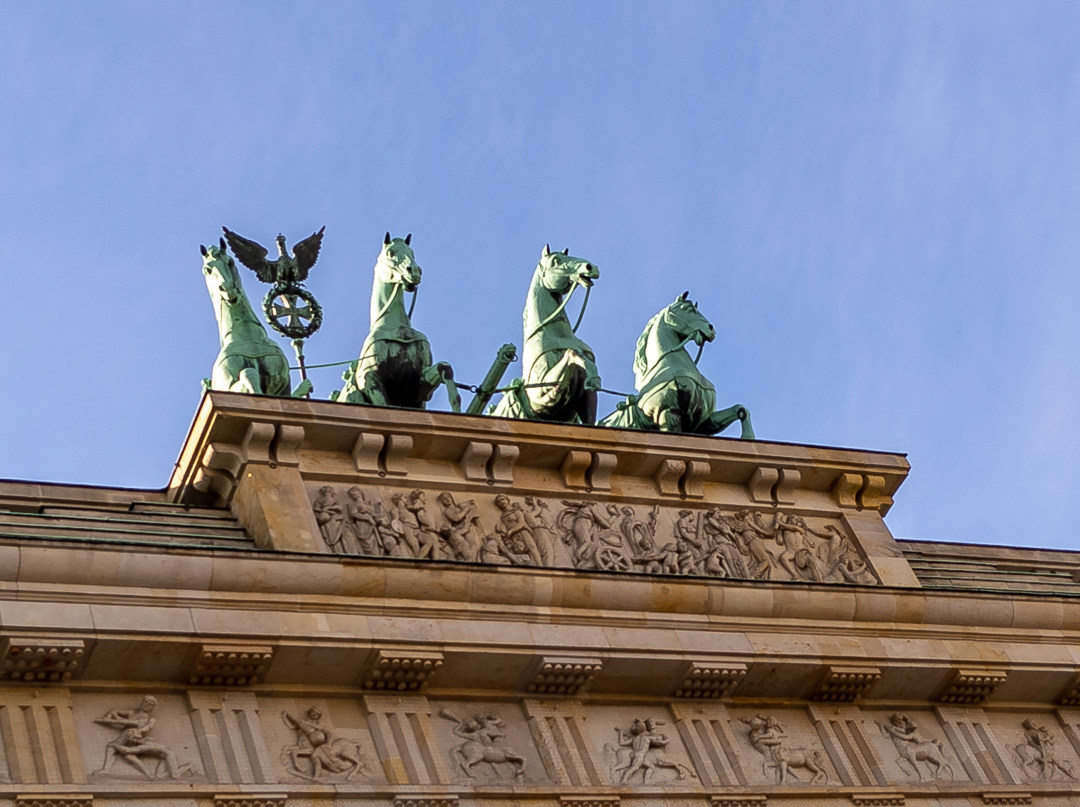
{"x": 640, "y": 754}
{"x": 917, "y": 756}
{"x": 529, "y": 531}
{"x": 134, "y": 751}
{"x": 783, "y": 761}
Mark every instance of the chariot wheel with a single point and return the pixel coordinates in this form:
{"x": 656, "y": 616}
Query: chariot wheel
{"x": 292, "y": 311}
{"x": 612, "y": 560}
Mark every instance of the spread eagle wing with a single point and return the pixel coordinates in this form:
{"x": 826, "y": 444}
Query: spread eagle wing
{"x": 307, "y": 252}
{"x": 252, "y": 255}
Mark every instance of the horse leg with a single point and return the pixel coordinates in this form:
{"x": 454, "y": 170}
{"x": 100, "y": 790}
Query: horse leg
{"x": 718, "y": 421}
{"x": 371, "y": 391}
{"x": 555, "y": 388}
{"x": 248, "y": 381}
{"x": 441, "y": 373}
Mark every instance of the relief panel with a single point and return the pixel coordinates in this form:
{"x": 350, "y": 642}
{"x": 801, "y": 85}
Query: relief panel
{"x": 506, "y": 530}
{"x": 634, "y": 746}
{"x": 1037, "y": 747}
{"x": 128, "y": 736}
{"x": 486, "y": 743}
{"x": 781, "y": 747}
{"x": 319, "y": 740}
{"x": 912, "y": 746}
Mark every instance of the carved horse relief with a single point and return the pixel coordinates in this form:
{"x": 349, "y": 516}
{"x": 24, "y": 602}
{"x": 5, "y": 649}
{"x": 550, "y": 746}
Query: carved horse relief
{"x": 249, "y": 360}
{"x": 395, "y": 366}
{"x": 559, "y": 378}
{"x": 673, "y": 395}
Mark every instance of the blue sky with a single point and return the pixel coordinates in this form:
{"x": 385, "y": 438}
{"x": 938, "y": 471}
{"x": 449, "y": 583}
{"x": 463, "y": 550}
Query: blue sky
{"x": 875, "y": 203}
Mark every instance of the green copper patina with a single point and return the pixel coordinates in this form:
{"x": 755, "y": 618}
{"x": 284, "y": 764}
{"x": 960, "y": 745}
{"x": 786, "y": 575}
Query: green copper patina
{"x": 560, "y": 379}
{"x": 673, "y": 395}
{"x": 249, "y": 360}
{"x": 395, "y": 367}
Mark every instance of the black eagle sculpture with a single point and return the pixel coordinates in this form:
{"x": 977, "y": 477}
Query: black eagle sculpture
{"x": 286, "y": 269}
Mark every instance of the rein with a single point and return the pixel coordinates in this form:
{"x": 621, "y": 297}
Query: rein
{"x": 562, "y": 306}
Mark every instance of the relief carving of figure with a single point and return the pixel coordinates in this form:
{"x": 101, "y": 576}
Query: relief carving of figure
{"x": 135, "y": 745}
{"x": 691, "y": 545}
{"x": 461, "y": 528}
{"x": 641, "y": 750}
{"x": 751, "y": 531}
{"x": 839, "y": 561}
{"x": 427, "y": 528}
{"x": 767, "y": 738}
{"x": 317, "y": 753}
{"x": 590, "y": 530}
{"x": 514, "y": 535}
{"x": 725, "y": 559}
{"x": 797, "y": 559}
{"x": 1037, "y": 756}
{"x": 481, "y": 735}
{"x": 543, "y": 531}
{"x": 360, "y": 531}
{"x": 329, "y": 515}
{"x": 402, "y": 539}
{"x": 913, "y": 749}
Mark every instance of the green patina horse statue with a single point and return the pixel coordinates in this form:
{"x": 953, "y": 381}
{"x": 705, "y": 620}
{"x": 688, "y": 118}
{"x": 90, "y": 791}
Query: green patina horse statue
{"x": 560, "y": 379}
{"x": 673, "y": 395}
{"x": 395, "y": 367}
{"x": 249, "y": 360}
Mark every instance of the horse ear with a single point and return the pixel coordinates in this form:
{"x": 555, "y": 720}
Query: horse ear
{"x": 408, "y": 239}
{"x": 566, "y": 251}
{"x": 386, "y": 239}
{"x": 547, "y": 250}
{"x": 684, "y": 294}
{"x": 202, "y": 249}
{"x": 222, "y": 242}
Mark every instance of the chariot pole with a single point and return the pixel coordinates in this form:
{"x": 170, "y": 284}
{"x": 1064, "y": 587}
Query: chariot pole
{"x": 507, "y": 354}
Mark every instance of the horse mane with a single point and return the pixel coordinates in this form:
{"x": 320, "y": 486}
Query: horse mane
{"x": 640, "y": 362}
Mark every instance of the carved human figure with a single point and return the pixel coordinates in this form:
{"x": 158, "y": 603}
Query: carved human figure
{"x": 645, "y": 755}
{"x": 797, "y": 559}
{"x": 360, "y": 531}
{"x": 404, "y": 527}
{"x": 691, "y": 545}
{"x": 461, "y": 527}
{"x": 541, "y": 528}
{"x": 751, "y": 533}
{"x": 135, "y": 744}
{"x": 481, "y": 735}
{"x": 913, "y": 748}
{"x": 329, "y": 515}
{"x": 427, "y": 528}
{"x": 319, "y": 749}
{"x": 514, "y": 533}
{"x": 1037, "y": 755}
{"x": 767, "y": 738}
{"x": 724, "y": 550}
{"x": 840, "y": 562}
{"x": 590, "y": 527}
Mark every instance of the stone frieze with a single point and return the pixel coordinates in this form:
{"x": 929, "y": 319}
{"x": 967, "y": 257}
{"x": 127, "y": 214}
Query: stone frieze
{"x": 505, "y": 530}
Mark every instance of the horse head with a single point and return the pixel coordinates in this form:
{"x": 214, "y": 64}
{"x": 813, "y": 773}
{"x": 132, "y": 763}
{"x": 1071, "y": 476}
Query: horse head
{"x": 397, "y": 264}
{"x": 221, "y": 275}
{"x": 559, "y": 272}
{"x": 683, "y": 317}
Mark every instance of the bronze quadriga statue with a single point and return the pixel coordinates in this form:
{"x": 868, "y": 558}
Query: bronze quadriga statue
{"x": 395, "y": 366}
{"x": 560, "y": 379}
{"x": 673, "y": 395}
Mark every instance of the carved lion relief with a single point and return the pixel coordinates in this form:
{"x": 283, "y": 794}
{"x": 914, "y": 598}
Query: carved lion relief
{"x": 505, "y": 530}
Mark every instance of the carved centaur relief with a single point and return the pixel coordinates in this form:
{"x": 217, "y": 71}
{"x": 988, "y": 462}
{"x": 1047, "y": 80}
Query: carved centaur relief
{"x": 640, "y": 754}
{"x": 319, "y": 754}
{"x": 782, "y": 759}
{"x": 134, "y": 746}
{"x": 505, "y": 530}
{"x": 916, "y": 755}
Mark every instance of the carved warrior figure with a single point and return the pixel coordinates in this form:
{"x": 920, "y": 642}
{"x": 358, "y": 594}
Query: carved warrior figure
{"x": 249, "y": 361}
{"x": 481, "y": 735}
{"x": 913, "y": 749}
{"x": 672, "y": 394}
{"x": 135, "y": 745}
{"x": 317, "y": 753}
{"x": 395, "y": 366}
{"x": 559, "y": 376}
{"x": 1037, "y": 756}
{"x": 641, "y": 751}
{"x": 767, "y": 738}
